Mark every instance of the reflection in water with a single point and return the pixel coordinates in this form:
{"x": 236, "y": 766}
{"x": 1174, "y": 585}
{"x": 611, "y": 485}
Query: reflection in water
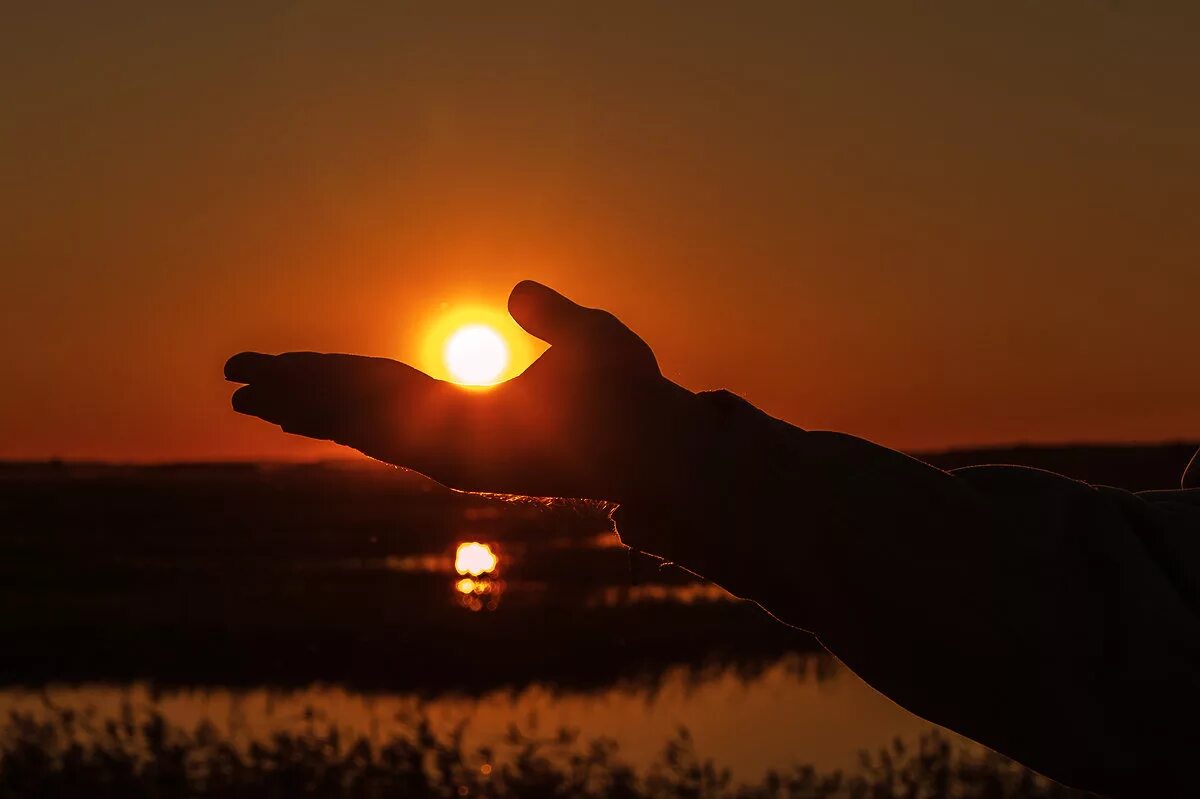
{"x": 415, "y": 564}
{"x": 481, "y": 593}
{"x": 477, "y": 592}
{"x": 615, "y": 596}
{"x": 801, "y": 709}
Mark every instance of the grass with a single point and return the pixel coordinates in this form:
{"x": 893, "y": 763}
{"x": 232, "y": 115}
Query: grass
{"x": 69, "y": 754}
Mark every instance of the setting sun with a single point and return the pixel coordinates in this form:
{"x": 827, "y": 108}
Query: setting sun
{"x": 473, "y": 343}
{"x": 476, "y": 355}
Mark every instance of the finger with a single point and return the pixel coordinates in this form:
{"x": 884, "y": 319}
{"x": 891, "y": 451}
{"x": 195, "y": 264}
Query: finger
{"x": 346, "y": 398}
{"x": 550, "y": 316}
{"x": 383, "y": 408}
{"x": 249, "y": 400}
{"x": 545, "y": 313}
{"x": 245, "y": 367}
{"x": 299, "y": 368}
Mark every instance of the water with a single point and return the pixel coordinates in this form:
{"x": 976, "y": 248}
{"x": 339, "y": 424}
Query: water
{"x": 799, "y": 710}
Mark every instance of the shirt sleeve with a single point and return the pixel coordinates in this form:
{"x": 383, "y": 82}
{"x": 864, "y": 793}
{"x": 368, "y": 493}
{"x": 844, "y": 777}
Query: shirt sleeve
{"x": 1191, "y": 475}
{"x": 1054, "y": 621}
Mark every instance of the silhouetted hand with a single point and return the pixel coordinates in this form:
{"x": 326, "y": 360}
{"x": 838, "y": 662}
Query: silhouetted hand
{"x": 592, "y": 417}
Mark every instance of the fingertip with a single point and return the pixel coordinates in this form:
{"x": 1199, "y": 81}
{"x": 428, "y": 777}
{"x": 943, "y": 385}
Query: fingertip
{"x": 245, "y": 366}
{"x": 528, "y": 284}
{"x": 523, "y": 296}
{"x": 542, "y": 311}
{"x": 243, "y": 400}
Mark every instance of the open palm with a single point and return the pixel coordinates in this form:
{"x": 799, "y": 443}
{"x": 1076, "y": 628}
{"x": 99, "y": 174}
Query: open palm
{"x": 592, "y": 417}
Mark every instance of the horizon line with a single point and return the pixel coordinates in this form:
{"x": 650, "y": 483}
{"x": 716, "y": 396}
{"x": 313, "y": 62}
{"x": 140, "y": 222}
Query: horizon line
{"x": 365, "y": 460}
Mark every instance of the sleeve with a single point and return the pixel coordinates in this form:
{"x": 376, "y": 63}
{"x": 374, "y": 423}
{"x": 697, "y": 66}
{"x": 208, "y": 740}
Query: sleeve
{"x": 1051, "y": 620}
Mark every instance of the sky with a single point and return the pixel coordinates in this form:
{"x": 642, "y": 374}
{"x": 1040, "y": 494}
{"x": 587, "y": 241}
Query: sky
{"x": 927, "y": 224}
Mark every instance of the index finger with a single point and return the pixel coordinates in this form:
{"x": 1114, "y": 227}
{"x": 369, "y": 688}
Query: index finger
{"x": 339, "y": 397}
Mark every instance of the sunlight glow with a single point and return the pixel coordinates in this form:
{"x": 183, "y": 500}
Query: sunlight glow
{"x": 432, "y": 334}
{"x": 474, "y": 558}
{"x": 476, "y": 355}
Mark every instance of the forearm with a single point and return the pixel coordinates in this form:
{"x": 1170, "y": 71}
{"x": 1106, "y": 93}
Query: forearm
{"x": 1011, "y": 605}
{"x": 785, "y": 516}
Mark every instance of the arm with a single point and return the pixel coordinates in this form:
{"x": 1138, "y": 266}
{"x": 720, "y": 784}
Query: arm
{"x": 1051, "y": 620}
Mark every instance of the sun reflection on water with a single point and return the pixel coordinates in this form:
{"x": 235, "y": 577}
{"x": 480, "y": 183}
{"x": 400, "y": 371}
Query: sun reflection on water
{"x": 474, "y": 558}
{"x": 478, "y": 586}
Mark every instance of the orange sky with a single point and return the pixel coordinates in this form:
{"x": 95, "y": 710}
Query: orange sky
{"x": 927, "y": 225}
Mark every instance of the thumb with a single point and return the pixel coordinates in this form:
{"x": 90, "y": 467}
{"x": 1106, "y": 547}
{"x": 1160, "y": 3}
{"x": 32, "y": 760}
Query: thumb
{"x": 550, "y": 316}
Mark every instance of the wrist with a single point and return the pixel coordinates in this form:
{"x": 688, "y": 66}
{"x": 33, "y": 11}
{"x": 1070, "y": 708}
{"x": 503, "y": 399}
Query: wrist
{"x": 705, "y": 510}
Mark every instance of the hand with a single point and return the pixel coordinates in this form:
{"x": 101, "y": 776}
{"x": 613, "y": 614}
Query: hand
{"x": 593, "y": 417}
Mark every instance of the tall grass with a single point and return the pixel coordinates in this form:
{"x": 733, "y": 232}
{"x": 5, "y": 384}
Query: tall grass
{"x": 68, "y": 754}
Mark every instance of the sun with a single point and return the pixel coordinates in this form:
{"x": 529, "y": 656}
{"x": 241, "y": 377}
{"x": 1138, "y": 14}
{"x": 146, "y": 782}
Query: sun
{"x": 476, "y": 355}
{"x": 471, "y": 343}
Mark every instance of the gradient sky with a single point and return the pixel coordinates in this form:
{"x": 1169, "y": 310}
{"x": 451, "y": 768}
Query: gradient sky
{"x": 929, "y": 224}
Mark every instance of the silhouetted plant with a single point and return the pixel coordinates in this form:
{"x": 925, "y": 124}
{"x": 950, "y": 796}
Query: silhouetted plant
{"x": 68, "y": 754}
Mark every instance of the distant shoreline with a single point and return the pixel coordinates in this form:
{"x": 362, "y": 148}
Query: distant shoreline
{"x": 365, "y": 462}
